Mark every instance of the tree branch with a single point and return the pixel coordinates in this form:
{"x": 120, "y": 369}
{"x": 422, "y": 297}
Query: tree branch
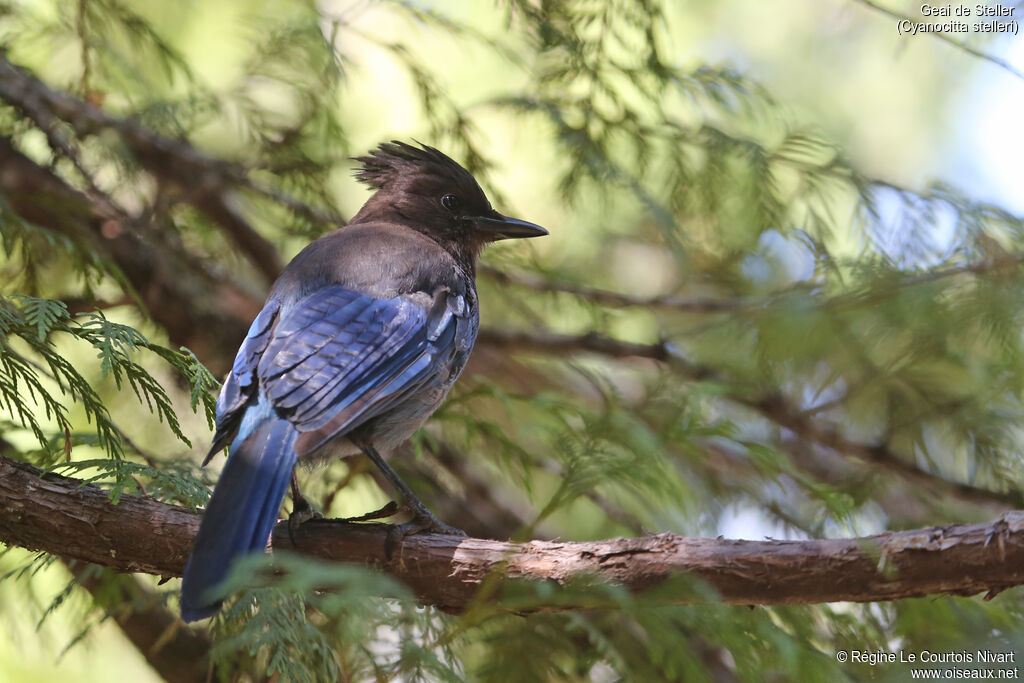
{"x": 854, "y": 299}
{"x": 62, "y": 516}
{"x": 769, "y": 404}
{"x": 203, "y": 181}
{"x": 778, "y": 410}
{"x": 607, "y": 297}
{"x": 543, "y": 341}
{"x": 177, "y": 653}
{"x": 198, "y": 308}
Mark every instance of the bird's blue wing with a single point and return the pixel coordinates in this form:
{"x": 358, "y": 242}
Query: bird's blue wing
{"x": 338, "y": 358}
{"x": 240, "y": 386}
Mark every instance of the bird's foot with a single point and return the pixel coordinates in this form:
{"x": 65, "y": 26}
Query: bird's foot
{"x": 302, "y": 512}
{"x": 422, "y": 521}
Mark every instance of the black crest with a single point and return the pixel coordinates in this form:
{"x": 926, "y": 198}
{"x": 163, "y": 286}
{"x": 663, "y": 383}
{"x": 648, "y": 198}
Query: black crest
{"x": 392, "y": 160}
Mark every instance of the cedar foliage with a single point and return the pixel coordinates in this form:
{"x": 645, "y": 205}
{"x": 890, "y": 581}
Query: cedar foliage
{"x": 809, "y": 313}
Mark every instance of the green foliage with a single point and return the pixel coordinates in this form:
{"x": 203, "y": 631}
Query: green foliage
{"x": 173, "y": 482}
{"x": 317, "y": 620}
{"x": 34, "y": 321}
{"x": 27, "y": 248}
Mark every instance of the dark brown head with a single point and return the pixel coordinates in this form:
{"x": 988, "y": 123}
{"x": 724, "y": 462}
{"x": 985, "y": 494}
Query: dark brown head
{"x": 426, "y": 190}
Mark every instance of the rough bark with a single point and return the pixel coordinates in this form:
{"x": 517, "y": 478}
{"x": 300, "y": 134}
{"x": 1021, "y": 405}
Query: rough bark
{"x": 59, "y": 515}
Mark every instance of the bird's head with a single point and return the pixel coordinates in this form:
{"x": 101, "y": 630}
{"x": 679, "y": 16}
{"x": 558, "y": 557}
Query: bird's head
{"x": 423, "y": 188}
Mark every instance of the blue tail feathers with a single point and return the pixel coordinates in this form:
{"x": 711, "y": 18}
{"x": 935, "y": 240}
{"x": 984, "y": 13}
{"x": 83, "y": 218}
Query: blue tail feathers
{"x": 242, "y": 511}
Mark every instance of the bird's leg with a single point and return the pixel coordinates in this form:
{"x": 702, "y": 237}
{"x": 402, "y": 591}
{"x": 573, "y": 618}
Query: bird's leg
{"x": 302, "y": 511}
{"x": 422, "y": 518}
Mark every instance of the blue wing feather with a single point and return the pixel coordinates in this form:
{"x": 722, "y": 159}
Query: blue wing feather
{"x": 383, "y": 391}
{"x": 332, "y": 351}
{"x": 240, "y": 386}
{"x": 369, "y": 346}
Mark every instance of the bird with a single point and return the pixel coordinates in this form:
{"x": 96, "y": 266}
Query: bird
{"x": 360, "y": 340}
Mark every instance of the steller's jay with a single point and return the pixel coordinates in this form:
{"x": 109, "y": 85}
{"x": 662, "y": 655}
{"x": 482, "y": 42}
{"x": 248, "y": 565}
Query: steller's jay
{"x": 361, "y": 338}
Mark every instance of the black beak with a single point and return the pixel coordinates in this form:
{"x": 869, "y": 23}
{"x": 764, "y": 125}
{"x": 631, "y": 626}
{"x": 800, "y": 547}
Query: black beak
{"x": 500, "y": 227}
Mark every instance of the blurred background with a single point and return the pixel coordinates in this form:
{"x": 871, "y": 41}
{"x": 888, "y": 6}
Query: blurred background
{"x": 781, "y": 297}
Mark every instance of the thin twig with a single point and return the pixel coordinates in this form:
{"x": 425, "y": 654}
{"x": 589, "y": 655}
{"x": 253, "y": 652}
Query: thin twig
{"x": 610, "y": 298}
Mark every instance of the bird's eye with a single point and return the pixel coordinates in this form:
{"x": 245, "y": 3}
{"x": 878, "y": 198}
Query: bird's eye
{"x": 450, "y": 202}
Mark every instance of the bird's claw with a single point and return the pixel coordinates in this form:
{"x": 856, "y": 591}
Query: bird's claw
{"x": 424, "y": 521}
{"x": 302, "y": 512}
